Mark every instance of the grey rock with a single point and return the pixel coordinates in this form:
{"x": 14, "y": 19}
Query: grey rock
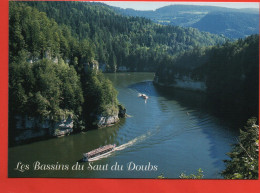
{"x": 34, "y": 127}
{"x": 104, "y": 121}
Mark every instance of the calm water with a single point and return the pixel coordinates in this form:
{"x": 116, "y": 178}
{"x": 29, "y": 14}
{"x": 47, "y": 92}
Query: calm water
{"x": 170, "y": 133}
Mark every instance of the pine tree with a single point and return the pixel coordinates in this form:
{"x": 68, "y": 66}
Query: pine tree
{"x": 244, "y": 155}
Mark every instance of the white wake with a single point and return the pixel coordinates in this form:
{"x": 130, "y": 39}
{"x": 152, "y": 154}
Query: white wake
{"x": 121, "y": 147}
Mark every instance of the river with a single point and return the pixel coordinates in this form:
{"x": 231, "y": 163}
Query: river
{"x": 171, "y": 133}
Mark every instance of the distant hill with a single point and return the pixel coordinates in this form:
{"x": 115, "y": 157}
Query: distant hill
{"x": 229, "y": 24}
{"x": 232, "y": 23}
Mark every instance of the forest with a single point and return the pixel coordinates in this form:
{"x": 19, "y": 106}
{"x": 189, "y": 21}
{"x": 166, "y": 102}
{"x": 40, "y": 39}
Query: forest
{"x": 56, "y": 49}
{"x": 134, "y": 42}
{"x": 229, "y": 71}
{"x": 53, "y": 74}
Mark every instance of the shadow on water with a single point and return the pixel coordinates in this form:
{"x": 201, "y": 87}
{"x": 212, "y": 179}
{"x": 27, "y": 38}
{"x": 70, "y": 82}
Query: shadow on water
{"x": 196, "y": 107}
{"x": 145, "y": 87}
{"x": 188, "y": 99}
{"x": 205, "y": 119}
{"x": 200, "y": 102}
{"x": 219, "y": 135}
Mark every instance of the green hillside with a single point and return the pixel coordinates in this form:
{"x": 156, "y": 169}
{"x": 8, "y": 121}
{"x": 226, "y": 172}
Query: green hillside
{"x": 134, "y": 42}
{"x": 232, "y": 23}
{"x": 52, "y": 74}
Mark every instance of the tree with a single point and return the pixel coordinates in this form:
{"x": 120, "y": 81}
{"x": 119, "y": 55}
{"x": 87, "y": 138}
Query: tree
{"x": 199, "y": 175}
{"x": 244, "y": 155}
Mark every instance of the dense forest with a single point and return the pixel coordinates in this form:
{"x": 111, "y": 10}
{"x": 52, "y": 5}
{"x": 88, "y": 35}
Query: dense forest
{"x": 229, "y": 71}
{"x": 132, "y": 43}
{"x": 53, "y": 74}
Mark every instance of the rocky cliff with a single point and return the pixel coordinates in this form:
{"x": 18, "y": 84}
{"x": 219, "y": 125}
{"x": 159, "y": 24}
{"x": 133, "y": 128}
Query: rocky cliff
{"x": 28, "y": 128}
{"x": 109, "y": 120}
{"x": 184, "y": 82}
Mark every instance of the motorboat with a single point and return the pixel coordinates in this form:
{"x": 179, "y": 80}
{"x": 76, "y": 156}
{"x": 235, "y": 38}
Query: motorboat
{"x": 144, "y": 96}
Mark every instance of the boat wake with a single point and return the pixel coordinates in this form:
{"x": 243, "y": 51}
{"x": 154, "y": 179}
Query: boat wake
{"x": 100, "y": 156}
{"x": 139, "y": 94}
{"x": 133, "y": 141}
{"x": 122, "y": 147}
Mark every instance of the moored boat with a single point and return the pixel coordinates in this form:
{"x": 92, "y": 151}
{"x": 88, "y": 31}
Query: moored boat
{"x": 99, "y": 151}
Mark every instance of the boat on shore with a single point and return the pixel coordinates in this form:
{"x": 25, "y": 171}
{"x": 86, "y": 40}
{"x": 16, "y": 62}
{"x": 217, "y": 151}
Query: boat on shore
{"x": 98, "y": 152}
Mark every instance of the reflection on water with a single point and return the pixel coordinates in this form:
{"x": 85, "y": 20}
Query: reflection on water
{"x": 172, "y": 129}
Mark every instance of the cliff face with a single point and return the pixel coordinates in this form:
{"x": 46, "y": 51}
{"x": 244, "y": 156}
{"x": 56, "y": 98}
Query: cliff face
{"x": 28, "y": 128}
{"x": 184, "y": 82}
{"x": 190, "y": 84}
{"x": 104, "y": 121}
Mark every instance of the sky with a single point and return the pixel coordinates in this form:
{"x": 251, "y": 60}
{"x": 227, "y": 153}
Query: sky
{"x": 141, "y": 5}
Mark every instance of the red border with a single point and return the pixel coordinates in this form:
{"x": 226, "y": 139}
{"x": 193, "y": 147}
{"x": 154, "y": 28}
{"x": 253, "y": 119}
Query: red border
{"x": 33, "y": 185}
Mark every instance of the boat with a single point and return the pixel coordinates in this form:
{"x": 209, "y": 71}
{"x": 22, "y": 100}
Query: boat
{"x": 99, "y": 151}
{"x": 144, "y": 96}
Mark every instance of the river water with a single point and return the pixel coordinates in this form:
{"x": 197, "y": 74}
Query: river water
{"x": 171, "y": 133}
